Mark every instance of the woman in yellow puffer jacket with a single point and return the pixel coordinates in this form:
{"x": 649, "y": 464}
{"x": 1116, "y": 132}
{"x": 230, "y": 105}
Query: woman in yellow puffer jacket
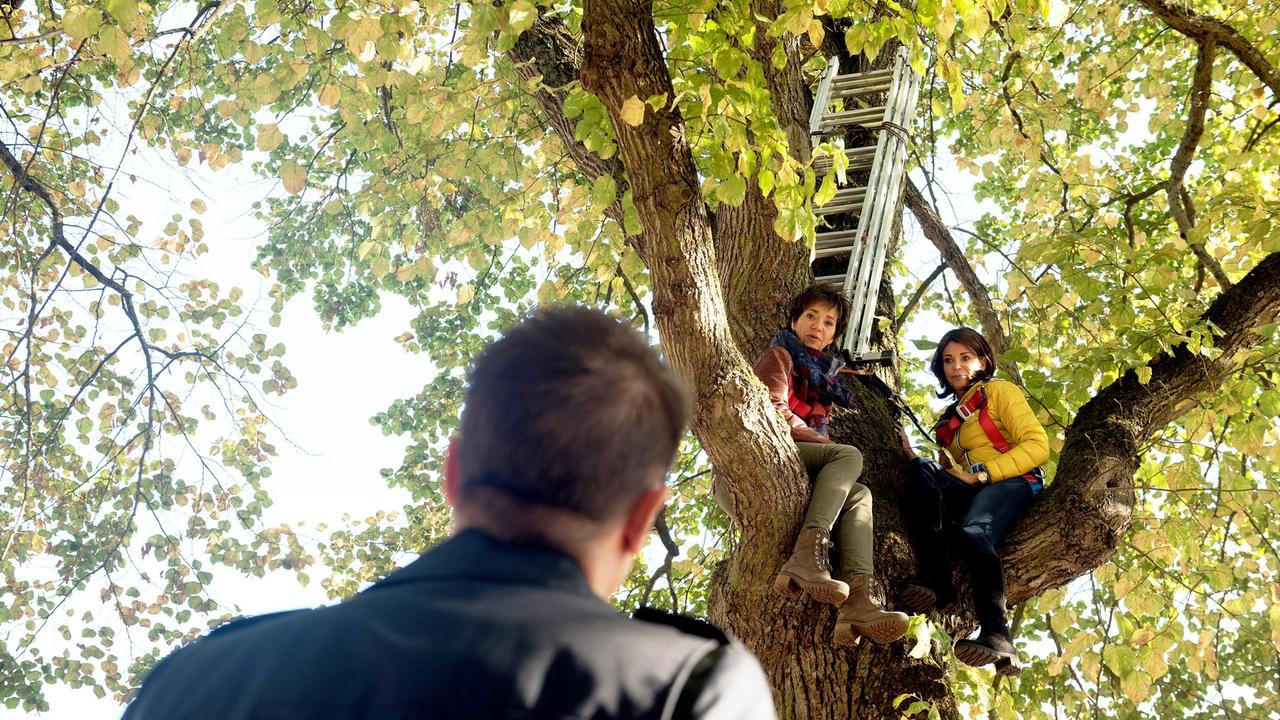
{"x": 988, "y": 477}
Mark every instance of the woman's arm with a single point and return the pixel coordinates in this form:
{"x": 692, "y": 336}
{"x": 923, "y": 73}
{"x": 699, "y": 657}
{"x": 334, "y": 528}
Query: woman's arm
{"x": 774, "y": 370}
{"x": 1028, "y": 443}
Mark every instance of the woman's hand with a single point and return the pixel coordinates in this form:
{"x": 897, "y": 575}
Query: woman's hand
{"x": 965, "y": 476}
{"x": 906, "y": 444}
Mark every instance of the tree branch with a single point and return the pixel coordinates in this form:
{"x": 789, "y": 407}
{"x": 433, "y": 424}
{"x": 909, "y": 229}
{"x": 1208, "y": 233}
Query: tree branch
{"x": 735, "y": 422}
{"x": 549, "y": 52}
{"x": 1082, "y": 516}
{"x": 1203, "y": 28}
{"x": 915, "y": 296}
{"x": 1179, "y": 205}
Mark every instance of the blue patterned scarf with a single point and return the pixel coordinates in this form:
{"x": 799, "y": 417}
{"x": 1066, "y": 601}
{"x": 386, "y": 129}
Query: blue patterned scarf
{"x": 821, "y": 371}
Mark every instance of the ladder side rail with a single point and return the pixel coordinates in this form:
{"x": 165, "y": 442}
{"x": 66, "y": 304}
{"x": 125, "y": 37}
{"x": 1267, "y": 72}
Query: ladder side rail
{"x": 854, "y": 286}
{"x": 903, "y": 116}
{"x": 865, "y": 283}
{"x": 856, "y": 283}
{"x": 823, "y": 97}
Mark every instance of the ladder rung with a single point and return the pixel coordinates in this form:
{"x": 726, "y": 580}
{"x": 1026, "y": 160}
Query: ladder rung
{"x": 842, "y": 238}
{"x": 831, "y": 252}
{"x": 848, "y": 193}
{"x": 845, "y": 194}
{"x": 862, "y": 78}
{"x": 859, "y": 158}
{"x": 860, "y": 116}
{"x": 833, "y": 208}
{"x": 837, "y": 279}
{"x": 856, "y": 90}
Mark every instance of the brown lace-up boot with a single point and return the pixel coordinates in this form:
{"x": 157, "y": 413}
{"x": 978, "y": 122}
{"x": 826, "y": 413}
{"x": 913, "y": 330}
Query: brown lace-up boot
{"x": 862, "y": 614}
{"x": 809, "y": 570}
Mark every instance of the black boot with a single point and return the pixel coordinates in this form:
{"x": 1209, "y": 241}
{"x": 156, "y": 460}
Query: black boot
{"x": 926, "y": 593}
{"x": 990, "y": 648}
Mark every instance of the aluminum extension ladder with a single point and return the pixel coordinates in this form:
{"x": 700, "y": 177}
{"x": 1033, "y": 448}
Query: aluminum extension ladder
{"x": 873, "y": 204}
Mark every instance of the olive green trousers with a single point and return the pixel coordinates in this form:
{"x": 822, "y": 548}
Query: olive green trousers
{"x": 840, "y": 504}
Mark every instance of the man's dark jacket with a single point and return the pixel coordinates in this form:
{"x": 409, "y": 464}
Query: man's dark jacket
{"x": 474, "y": 628}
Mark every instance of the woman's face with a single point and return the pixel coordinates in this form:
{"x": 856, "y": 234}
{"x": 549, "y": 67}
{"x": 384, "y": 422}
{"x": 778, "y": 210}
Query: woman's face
{"x": 816, "y": 326}
{"x": 961, "y": 365}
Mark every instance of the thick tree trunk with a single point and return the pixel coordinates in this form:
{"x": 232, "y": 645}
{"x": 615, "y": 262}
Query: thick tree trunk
{"x": 689, "y": 307}
{"x": 739, "y": 429}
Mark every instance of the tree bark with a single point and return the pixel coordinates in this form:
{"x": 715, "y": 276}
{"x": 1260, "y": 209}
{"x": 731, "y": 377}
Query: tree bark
{"x": 759, "y": 270}
{"x": 676, "y": 245}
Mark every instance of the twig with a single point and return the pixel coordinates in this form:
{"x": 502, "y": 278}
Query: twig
{"x": 915, "y": 297}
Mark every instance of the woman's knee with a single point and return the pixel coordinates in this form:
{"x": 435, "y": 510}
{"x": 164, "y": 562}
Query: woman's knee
{"x": 976, "y": 540}
{"x": 859, "y": 496}
{"x": 847, "y": 455}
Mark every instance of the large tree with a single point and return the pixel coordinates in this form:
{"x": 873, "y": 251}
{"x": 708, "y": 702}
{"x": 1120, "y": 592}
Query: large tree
{"x": 654, "y": 158}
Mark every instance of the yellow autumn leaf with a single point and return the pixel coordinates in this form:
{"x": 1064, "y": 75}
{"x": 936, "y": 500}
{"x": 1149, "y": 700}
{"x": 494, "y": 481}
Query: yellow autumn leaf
{"x": 269, "y": 137}
{"x": 632, "y": 111}
{"x": 328, "y": 95}
{"x": 465, "y": 293}
{"x": 521, "y": 16}
{"x": 81, "y": 21}
{"x": 293, "y": 176}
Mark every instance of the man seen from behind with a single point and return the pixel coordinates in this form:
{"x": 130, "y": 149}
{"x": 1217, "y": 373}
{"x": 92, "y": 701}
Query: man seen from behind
{"x": 568, "y": 428}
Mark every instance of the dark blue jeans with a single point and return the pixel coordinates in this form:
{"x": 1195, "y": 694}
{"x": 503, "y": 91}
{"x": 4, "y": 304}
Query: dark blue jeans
{"x": 941, "y": 511}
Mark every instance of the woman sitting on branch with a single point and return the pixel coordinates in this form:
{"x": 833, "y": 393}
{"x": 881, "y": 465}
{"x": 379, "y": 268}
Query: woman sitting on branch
{"x": 973, "y": 499}
{"x": 804, "y": 383}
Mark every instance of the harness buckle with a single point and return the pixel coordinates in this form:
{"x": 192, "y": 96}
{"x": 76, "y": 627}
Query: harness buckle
{"x": 964, "y": 412}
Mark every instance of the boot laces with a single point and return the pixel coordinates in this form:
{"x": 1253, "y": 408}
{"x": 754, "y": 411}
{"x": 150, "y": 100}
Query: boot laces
{"x": 820, "y": 556}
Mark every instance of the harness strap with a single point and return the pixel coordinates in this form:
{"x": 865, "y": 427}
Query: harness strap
{"x": 993, "y": 432}
{"x": 977, "y": 403}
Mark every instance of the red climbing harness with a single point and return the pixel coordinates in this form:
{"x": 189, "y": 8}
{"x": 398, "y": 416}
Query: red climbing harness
{"x": 951, "y": 421}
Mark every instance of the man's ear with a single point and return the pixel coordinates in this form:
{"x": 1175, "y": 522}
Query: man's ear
{"x": 640, "y": 518}
{"x": 452, "y": 474}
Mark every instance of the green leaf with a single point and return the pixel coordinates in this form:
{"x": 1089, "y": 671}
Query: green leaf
{"x": 269, "y": 137}
{"x": 293, "y": 176}
{"x": 81, "y": 21}
{"x": 521, "y": 16}
{"x": 604, "y": 191}
{"x": 1120, "y": 659}
{"x": 124, "y": 11}
{"x": 826, "y": 190}
{"x": 732, "y": 191}
{"x": 767, "y": 182}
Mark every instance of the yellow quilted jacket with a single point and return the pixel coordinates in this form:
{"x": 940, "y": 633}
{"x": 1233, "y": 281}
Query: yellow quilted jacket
{"x": 1028, "y": 444}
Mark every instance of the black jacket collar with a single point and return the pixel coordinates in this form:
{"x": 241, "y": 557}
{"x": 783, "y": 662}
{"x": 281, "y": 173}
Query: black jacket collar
{"x": 476, "y": 555}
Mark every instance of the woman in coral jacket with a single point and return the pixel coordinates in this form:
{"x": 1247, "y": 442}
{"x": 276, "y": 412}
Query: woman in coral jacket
{"x": 989, "y": 474}
{"x": 804, "y": 383}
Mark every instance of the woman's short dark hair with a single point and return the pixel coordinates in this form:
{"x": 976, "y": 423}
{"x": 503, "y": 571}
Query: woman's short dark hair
{"x": 976, "y": 343}
{"x": 571, "y": 409}
{"x": 823, "y": 293}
